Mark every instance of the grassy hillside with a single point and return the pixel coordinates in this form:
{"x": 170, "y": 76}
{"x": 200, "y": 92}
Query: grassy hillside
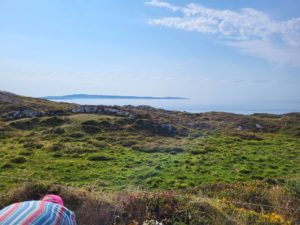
{"x": 111, "y": 149}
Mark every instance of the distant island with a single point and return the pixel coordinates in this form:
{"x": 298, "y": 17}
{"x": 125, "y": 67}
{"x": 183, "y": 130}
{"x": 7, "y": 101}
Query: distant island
{"x": 86, "y": 96}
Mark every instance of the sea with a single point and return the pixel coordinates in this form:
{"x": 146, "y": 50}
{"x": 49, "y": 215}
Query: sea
{"x": 194, "y": 106}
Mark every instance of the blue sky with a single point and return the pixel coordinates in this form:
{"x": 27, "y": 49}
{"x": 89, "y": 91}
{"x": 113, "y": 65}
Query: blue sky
{"x": 214, "y": 51}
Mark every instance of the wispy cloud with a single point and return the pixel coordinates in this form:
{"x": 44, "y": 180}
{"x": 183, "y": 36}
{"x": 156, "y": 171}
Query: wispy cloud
{"x": 250, "y": 31}
{"x": 162, "y": 5}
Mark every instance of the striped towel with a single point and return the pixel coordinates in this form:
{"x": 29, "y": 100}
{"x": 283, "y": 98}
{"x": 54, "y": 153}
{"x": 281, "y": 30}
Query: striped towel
{"x": 36, "y": 213}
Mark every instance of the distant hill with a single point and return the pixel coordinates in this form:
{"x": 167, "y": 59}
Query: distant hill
{"x": 12, "y": 103}
{"x": 155, "y": 120}
{"x": 85, "y": 96}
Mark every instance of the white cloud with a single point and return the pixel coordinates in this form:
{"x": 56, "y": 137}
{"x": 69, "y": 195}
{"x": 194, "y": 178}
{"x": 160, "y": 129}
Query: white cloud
{"x": 249, "y": 30}
{"x": 163, "y": 5}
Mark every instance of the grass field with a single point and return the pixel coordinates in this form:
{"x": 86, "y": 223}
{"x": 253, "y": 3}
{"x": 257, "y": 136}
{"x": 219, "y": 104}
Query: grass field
{"x": 63, "y": 150}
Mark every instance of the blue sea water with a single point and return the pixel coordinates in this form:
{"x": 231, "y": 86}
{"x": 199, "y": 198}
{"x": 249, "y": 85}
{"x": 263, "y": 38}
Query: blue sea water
{"x": 190, "y": 105}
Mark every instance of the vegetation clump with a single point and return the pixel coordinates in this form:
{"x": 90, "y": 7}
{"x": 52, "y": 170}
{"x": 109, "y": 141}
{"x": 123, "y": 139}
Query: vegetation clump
{"x": 32, "y": 145}
{"x": 76, "y": 135}
{"x": 56, "y": 147}
{"x": 53, "y": 121}
{"x": 99, "y": 158}
{"x": 158, "y": 149}
{"x": 25, "y": 124}
{"x": 18, "y": 160}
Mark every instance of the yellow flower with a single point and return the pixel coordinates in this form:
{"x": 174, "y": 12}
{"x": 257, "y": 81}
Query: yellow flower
{"x": 276, "y": 218}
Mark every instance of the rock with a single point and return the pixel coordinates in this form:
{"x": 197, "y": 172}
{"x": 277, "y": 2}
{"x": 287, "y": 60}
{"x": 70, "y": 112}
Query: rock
{"x": 152, "y": 222}
{"x": 199, "y": 126}
{"x": 164, "y": 129}
{"x": 258, "y": 126}
{"x": 56, "y": 112}
{"x": 100, "y": 109}
{"x": 238, "y": 128}
{"x": 18, "y": 114}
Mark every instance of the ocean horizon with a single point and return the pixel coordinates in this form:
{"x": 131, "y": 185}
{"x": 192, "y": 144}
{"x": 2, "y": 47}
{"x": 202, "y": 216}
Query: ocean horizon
{"x": 194, "y": 106}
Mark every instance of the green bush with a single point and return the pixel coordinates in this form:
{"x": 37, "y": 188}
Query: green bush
{"x": 99, "y": 158}
{"x": 7, "y": 166}
{"x": 18, "y": 159}
{"x": 57, "y": 155}
{"x": 32, "y": 145}
{"x": 76, "y": 135}
{"x": 56, "y": 147}
{"x": 58, "y": 130}
{"x": 157, "y": 149}
{"x": 52, "y": 121}
{"x": 26, "y": 152}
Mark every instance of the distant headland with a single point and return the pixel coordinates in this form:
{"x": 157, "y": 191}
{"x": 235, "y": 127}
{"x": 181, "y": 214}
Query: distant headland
{"x": 86, "y": 96}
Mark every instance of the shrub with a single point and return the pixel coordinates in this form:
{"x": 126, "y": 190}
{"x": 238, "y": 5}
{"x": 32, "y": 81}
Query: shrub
{"x": 58, "y": 130}
{"x": 245, "y": 171}
{"x": 100, "y": 144}
{"x": 99, "y": 158}
{"x": 127, "y": 143}
{"x": 197, "y": 151}
{"x": 57, "y": 155}
{"x": 91, "y": 129}
{"x": 26, "y": 124}
{"x": 93, "y": 126}
{"x": 80, "y": 149}
{"x": 76, "y": 135}
{"x": 52, "y": 121}
{"x": 56, "y": 147}
{"x": 18, "y": 159}
{"x": 26, "y": 153}
{"x": 7, "y": 166}
{"x": 208, "y": 148}
{"x": 32, "y": 145}
{"x": 158, "y": 149}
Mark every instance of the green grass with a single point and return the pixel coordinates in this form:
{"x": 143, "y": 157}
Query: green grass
{"x": 62, "y": 151}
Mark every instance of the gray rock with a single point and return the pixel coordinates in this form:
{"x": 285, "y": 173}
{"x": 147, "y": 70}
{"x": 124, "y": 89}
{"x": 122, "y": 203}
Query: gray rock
{"x": 258, "y": 126}
{"x": 239, "y": 128}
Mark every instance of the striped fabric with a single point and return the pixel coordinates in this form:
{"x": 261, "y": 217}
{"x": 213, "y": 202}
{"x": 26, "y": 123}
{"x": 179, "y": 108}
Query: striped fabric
{"x": 36, "y": 213}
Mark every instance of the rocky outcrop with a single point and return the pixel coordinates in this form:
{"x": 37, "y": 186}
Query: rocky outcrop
{"x": 152, "y": 127}
{"x": 18, "y": 114}
{"x": 199, "y": 126}
{"x": 100, "y": 109}
{"x": 29, "y": 113}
